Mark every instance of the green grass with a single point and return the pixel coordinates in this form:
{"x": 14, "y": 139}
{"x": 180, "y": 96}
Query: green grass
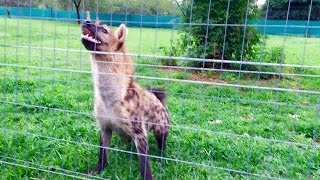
{"x": 46, "y": 121}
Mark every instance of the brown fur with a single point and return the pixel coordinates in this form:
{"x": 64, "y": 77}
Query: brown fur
{"x": 121, "y": 105}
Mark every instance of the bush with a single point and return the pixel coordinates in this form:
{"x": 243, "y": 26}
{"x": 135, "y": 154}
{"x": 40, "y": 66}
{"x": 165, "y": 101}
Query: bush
{"x": 174, "y": 51}
{"x": 269, "y": 55}
{"x": 206, "y": 40}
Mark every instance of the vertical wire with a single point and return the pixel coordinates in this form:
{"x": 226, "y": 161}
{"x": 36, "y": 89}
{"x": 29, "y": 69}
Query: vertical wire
{"x": 241, "y": 56}
{"x": 236, "y": 101}
{"x": 314, "y": 136}
{"x": 201, "y": 96}
{"x": 298, "y": 95}
{"x": 16, "y": 72}
{"x": 67, "y": 81}
{"x": 154, "y": 49}
{"x": 94, "y": 71}
{"x": 28, "y": 137}
{"x": 168, "y": 75}
{"x": 275, "y": 107}
{"x": 80, "y": 60}
{"x": 219, "y": 96}
{"x": 65, "y": 92}
{"x": 4, "y": 74}
{"x": 243, "y": 39}
{"x": 111, "y": 13}
{"x": 174, "y": 13}
{"x": 206, "y": 37}
{"x": 51, "y": 111}
{"x": 189, "y": 39}
{"x": 184, "y": 87}
{"x": 40, "y": 94}
{"x": 224, "y": 44}
{"x": 255, "y": 104}
{"x": 120, "y": 86}
{"x": 156, "y": 29}
{"x": 140, "y": 28}
{"x": 125, "y": 4}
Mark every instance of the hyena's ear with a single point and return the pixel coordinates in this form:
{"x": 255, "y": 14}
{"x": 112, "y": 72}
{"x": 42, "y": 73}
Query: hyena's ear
{"x": 122, "y": 33}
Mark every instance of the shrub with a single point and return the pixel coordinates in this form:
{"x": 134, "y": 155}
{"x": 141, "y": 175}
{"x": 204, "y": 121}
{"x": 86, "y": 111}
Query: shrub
{"x": 207, "y": 39}
{"x": 175, "y": 50}
{"x": 269, "y": 55}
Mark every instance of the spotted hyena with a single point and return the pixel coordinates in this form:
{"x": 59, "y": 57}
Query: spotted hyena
{"x": 121, "y": 106}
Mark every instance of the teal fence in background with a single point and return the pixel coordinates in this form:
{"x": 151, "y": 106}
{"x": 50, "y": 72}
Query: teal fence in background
{"x": 111, "y": 19}
{"x": 276, "y": 27}
{"x": 279, "y": 27}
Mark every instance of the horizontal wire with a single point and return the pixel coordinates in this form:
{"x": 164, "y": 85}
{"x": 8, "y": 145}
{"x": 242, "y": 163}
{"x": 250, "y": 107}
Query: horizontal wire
{"x": 147, "y": 155}
{"x": 171, "y": 93}
{"x": 170, "y": 79}
{"x": 171, "y": 126}
{"x": 48, "y": 167}
{"x": 45, "y": 170}
{"x": 188, "y": 81}
{"x": 191, "y": 68}
{"x": 166, "y": 57}
{"x": 172, "y": 23}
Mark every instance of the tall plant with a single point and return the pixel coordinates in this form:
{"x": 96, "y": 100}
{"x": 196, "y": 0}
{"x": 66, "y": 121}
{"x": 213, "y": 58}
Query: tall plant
{"x": 217, "y": 29}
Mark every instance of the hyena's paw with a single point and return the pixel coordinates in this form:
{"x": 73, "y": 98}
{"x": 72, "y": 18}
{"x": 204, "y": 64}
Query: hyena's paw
{"x": 97, "y": 169}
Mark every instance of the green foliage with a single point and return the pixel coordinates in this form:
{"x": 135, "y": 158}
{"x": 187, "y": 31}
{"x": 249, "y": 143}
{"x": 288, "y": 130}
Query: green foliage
{"x": 214, "y": 41}
{"x": 269, "y": 55}
{"x": 299, "y": 10}
{"x": 175, "y": 50}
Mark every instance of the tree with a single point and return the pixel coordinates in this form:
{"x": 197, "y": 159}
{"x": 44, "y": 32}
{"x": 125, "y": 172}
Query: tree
{"x": 299, "y": 9}
{"x": 206, "y": 34}
{"x": 77, "y": 4}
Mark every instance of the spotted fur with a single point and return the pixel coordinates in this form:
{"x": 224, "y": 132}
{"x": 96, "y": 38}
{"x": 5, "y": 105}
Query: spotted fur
{"x": 121, "y": 106}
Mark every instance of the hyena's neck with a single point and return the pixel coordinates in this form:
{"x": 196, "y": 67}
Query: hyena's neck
{"x": 112, "y": 75}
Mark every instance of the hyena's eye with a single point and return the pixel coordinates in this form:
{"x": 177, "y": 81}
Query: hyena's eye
{"x": 105, "y": 31}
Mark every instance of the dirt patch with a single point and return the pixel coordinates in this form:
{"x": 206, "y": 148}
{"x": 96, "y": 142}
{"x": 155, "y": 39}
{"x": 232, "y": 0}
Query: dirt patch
{"x": 195, "y": 75}
{"x": 199, "y": 76}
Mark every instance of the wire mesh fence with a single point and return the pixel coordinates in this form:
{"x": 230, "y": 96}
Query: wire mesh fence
{"x": 256, "y": 118}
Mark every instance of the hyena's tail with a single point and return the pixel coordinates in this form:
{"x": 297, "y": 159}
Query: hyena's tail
{"x": 160, "y": 94}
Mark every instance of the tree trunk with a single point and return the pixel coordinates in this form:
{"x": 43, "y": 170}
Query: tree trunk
{"x": 77, "y": 5}
{"x": 78, "y": 14}
{"x": 8, "y": 11}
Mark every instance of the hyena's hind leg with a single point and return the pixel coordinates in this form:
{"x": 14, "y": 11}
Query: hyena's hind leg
{"x": 160, "y": 133}
{"x": 141, "y": 142}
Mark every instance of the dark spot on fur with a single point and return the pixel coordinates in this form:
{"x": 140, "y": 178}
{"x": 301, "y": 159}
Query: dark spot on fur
{"x": 142, "y": 143}
{"x": 137, "y": 130}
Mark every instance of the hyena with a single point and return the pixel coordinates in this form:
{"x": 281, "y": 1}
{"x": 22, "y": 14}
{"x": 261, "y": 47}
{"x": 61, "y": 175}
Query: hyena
{"x": 120, "y": 104}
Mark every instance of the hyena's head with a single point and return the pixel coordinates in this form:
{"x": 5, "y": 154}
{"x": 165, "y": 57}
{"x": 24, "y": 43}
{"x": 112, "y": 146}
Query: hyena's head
{"x": 99, "y": 37}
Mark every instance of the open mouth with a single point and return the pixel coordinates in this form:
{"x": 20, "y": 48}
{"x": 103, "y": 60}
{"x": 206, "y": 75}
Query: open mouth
{"x": 88, "y": 35}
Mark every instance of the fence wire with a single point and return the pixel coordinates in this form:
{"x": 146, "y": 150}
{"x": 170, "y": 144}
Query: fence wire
{"x": 224, "y": 122}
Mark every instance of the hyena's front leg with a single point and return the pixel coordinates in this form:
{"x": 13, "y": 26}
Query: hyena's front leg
{"x": 141, "y": 143}
{"x": 105, "y": 140}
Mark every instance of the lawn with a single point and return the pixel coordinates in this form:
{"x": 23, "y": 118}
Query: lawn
{"x": 218, "y": 131}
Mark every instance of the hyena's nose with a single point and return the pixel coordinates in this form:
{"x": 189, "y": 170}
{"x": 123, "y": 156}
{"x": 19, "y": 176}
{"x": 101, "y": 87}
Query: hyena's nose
{"x": 86, "y": 22}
